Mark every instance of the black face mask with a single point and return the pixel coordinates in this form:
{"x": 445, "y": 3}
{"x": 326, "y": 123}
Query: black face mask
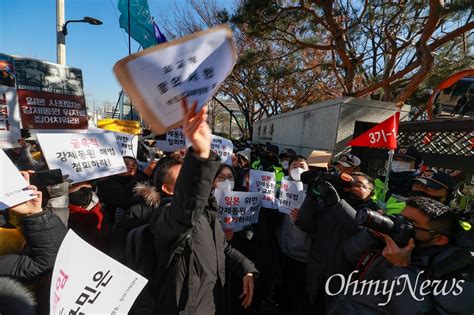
{"x": 81, "y": 198}
{"x": 419, "y": 193}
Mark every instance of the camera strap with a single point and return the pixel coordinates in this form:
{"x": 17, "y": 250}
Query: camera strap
{"x": 366, "y": 261}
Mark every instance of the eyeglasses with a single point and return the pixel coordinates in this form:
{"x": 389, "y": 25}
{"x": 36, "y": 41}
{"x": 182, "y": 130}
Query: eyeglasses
{"x": 362, "y": 186}
{"x": 426, "y": 230}
{"x": 221, "y": 177}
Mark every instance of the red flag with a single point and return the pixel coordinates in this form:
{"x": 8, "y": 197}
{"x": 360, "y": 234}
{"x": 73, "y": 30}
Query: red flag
{"x": 383, "y": 135}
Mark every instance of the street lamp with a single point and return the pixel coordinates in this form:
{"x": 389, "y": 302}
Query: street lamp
{"x": 62, "y": 32}
{"x": 86, "y": 19}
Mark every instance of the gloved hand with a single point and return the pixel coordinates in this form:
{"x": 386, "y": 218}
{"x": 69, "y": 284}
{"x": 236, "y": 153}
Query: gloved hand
{"x": 329, "y": 194}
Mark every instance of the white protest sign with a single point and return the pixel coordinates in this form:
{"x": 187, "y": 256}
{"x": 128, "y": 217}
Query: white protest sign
{"x": 193, "y": 67}
{"x": 223, "y": 148}
{"x": 237, "y": 209}
{"x": 264, "y": 183}
{"x": 84, "y": 156}
{"x": 128, "y": 143}
{"x": 175, "y": 140}
{"x": 12, "y": 184}
{"x": 95, "y": 285}
{"x": 292, "y": 194}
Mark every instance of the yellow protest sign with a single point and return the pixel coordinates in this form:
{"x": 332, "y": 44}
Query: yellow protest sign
{"x": 124, "y": 126}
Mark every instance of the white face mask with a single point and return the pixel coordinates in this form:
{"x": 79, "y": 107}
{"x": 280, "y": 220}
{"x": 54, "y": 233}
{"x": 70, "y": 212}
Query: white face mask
{"x": 296, "y": 173}
{"x": 227, "y": 185}
{"x": 285, "y": 165}
{"x": 400, "y": 166}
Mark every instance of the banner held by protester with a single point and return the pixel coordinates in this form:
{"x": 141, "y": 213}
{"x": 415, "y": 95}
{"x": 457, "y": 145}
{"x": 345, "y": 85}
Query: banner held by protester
{"x": 128, "y": 144}
{"x": 292, "y": 194}
{"x": 12, "y": 187}
{"x": 99, "y": 284}
{"x": 222, "y": 147}
{"x": 51, "y": 96}
{"x": 159, "y": 77}
{"x": 237, "y": 209}
{"x": 174, "y": 140}
{"x": 83, "y": 156}
{"x": 264, "y": 183}
{"x": 9, "y": 111}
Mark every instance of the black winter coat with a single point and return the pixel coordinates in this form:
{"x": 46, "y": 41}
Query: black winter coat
{"x": 197, "y": 286}
{"x": 329, "y": 228}
{"x": 44, "y": 233}
{"x": 402, "y": 299}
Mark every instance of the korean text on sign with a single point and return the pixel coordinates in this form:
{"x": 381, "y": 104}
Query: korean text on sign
{"x": 174, "y": 141}
{"x": 237, "y": 209}
{"x": 264, "y": 183}
{"x": 128, "y": 143}
{"x": 98, "y": 284}
{"x": 83, "y": 156}
{"x": 292, "y": 194}
{"x": 193, "y": 67}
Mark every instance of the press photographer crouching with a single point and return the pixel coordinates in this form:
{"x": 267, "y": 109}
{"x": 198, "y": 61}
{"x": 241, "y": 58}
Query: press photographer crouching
{"x": 413, "y": 263}
{"x": 328, "y": 213}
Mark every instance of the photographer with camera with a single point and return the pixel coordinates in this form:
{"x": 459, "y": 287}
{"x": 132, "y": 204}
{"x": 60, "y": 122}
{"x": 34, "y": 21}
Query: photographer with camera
{"x": 414, "y": 255}
{"x": 328, "y": 213}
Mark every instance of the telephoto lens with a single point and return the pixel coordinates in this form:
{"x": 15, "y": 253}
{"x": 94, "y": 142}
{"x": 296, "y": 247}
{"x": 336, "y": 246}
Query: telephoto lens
{"x": 399, "y": 228}
{"x": 375, "y": 221}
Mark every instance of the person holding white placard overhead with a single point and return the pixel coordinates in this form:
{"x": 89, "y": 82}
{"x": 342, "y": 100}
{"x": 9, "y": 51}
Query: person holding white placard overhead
{"x": 295, "y": 244}
{"x": 43, "y": 232}
{"x": 192, "y": 253}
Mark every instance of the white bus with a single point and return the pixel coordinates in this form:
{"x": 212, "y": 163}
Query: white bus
{"x": 449, "y": 97}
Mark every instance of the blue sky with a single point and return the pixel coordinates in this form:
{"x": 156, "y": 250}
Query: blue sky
{"x": 28, "y": 28}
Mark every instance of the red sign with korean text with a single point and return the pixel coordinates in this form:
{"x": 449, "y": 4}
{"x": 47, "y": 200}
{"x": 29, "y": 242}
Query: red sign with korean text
{"x": 45, "y": 110}
{"x": 383, "y": 135}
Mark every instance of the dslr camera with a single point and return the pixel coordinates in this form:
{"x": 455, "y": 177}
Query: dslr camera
{"x": 399, "y": 228}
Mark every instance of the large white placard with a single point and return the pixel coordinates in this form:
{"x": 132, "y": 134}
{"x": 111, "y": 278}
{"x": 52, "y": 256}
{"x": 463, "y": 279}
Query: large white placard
{"x": 264, "y": 183}
{"x": 84, "y": 156}
{"x": 175, "y": 140}
{"x": 193, "y": 67}
{"x": 86, "y": 281}
{"x": 237, "y": 209}
{"x": 292, "y": 194}
{"x": 127, "y": 143}
{"x": 12, "y": 184}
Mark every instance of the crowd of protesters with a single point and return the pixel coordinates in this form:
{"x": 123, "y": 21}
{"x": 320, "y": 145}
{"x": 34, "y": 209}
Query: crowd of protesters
{"x": 162, "y": 222}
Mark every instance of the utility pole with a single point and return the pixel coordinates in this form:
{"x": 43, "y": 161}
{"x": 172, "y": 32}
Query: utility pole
{"x": 60, "y": 38}
{"x": 230, "y": 125}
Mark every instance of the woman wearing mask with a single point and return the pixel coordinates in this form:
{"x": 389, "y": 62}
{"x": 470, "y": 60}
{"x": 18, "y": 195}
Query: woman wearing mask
{"x": 243, "y": 241}
{"x": 225, "y": 180}
{"x": 295, "y": 246}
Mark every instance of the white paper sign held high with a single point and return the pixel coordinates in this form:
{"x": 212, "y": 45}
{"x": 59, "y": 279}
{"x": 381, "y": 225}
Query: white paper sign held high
{"x": 193, "y": 67}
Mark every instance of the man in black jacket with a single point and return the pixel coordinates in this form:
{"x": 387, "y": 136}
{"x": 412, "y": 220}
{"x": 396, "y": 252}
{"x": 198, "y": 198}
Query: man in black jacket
{"x": 430, "y": 275}
{"x": 330, "y": 220}
{"x": 191, "y": 280}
